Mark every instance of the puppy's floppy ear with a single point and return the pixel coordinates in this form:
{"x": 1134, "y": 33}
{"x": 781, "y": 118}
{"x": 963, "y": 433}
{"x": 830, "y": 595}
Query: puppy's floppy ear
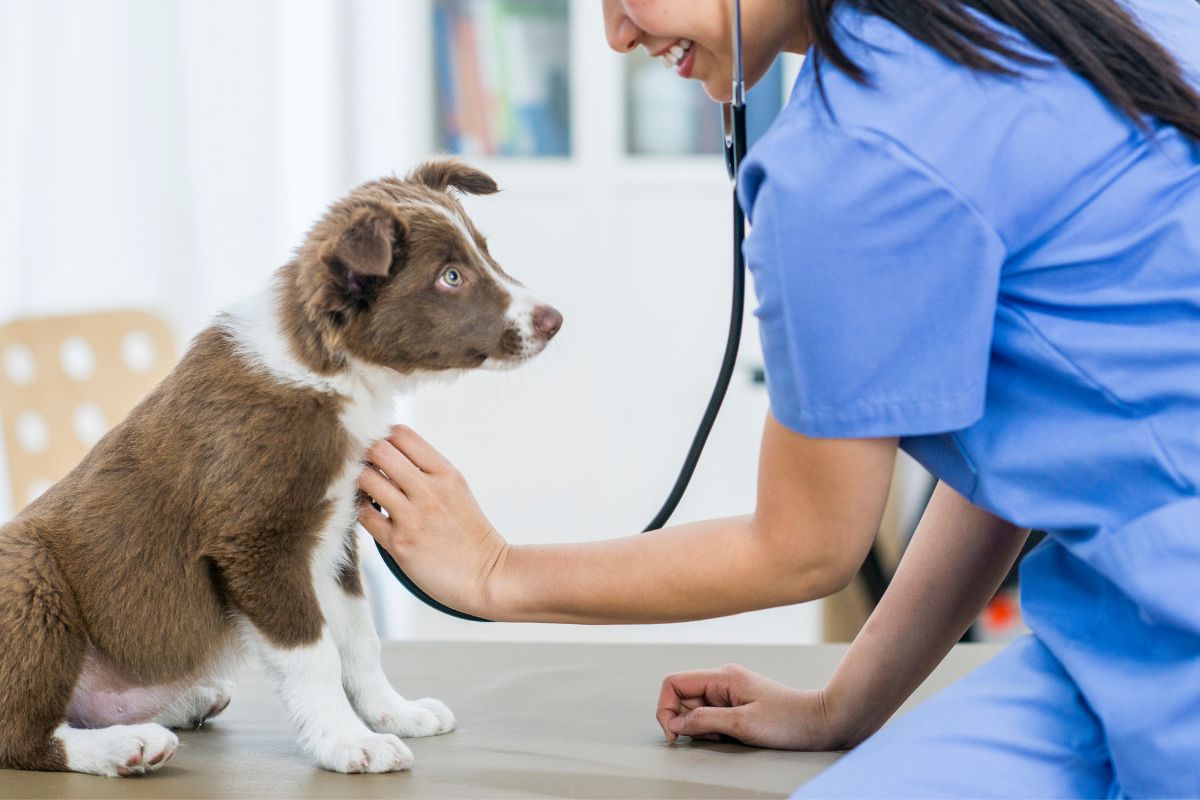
{"x": 365, "y": 245}
{"x": 445, "y": 173}
{"x": 357, "y": 259}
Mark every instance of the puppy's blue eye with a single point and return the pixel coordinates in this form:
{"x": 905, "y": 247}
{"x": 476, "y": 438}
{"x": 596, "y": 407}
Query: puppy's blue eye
{"x": 452, "y": 278}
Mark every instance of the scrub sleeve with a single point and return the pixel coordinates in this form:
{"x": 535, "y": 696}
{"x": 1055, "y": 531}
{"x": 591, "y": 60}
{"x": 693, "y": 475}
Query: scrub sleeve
{"x": 881, "y": 325}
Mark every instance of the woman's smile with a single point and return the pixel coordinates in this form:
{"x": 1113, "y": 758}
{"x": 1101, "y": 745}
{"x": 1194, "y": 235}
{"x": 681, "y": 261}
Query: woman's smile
{"x": 680, "y": 56}
{"x": 694, "y": 37}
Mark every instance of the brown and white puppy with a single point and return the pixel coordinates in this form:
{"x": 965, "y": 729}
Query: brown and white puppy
{"x": 223, "y": 508}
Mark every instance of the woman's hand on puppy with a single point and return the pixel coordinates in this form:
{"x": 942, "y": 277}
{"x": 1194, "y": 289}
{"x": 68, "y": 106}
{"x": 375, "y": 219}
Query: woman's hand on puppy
{"x": 433, "y": 527}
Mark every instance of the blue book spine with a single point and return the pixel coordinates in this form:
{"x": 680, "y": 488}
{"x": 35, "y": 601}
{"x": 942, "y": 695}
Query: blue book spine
{"x": 443, "y": 50}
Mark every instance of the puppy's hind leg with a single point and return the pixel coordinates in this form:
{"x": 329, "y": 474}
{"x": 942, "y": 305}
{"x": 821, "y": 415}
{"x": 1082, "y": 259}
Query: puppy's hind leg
{"x": 43, "y": 657}
{"x": 198, "y": 704}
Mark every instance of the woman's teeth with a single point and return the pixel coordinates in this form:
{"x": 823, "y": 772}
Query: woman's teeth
{"x": 674, "y": 57}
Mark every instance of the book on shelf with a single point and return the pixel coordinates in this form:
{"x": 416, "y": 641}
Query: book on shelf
{"x": 503, "y": 77}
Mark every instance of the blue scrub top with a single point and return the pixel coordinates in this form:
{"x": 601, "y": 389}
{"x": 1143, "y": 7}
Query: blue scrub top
{"x": 1005, "y": 273}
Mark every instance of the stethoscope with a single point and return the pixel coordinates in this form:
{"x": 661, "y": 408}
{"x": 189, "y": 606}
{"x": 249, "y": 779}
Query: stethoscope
{"x": 734, "y": 119}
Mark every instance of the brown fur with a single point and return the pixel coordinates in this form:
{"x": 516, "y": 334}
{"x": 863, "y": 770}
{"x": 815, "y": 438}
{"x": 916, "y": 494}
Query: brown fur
{"x": 348, "y": 576}
{"x": 205, "y": 503}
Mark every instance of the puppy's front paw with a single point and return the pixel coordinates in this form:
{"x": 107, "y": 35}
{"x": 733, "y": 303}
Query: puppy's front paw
{"x": 119, "y": 750}
{"x": 445, "y": 717}
{"x": 410, "y": 718}
{"x": 368, "y": 752}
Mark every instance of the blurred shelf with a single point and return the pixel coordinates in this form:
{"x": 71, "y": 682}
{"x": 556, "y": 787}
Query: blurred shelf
{"x": 503, "y": 72}
{"x": 533, "y": 80}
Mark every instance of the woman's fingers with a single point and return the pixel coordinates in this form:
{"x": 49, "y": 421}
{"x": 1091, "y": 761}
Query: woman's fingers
{"x": 709, "y": 722}
{"x": 375, "y": 523}
{"x": 417, "y": 450}
{"x": 396, "y": 465}
{"x": 685, "y": 692}
{"x": 431, "y": 523}
{"x": 751, "y": 708}
{"x": 382, "y": 491}
{"x": 712, "y": 685}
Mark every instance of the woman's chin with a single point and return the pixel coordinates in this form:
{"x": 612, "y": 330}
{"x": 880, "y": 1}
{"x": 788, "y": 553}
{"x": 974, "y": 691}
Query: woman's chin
{"x": 718, "y": 91}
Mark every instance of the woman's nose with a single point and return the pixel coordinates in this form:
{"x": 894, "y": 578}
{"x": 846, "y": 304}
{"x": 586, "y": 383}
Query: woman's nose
{"x": 623, "y": 36}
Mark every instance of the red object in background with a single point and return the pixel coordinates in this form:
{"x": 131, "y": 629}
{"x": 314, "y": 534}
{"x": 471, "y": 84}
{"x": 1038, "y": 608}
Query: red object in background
{"x": 1001, "y": 614}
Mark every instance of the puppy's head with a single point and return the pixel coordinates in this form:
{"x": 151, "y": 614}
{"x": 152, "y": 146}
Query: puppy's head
{"x": 396, "y": 274}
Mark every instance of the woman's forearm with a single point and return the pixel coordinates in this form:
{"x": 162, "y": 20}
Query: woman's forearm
{"x": 818, "y": 509}
{"x": 694, "y": 571}
{"x": 951, "y": 569}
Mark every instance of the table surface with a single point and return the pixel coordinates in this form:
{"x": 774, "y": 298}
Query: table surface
{"x": 535, "y": 720}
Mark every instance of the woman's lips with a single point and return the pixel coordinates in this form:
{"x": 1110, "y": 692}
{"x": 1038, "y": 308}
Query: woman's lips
{"x": 684, "y": 70}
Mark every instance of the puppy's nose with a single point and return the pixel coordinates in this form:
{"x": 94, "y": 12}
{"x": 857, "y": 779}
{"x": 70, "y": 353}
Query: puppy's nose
{"x": 547, "y": 321}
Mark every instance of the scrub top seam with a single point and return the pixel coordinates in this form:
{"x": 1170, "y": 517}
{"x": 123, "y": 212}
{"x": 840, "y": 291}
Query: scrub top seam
{"x": 887, "y": 402}
{"x": 1169, "y": 462}
{"x": 875, "y": 137}
{"x": 1130, "y": 160}
{"x": 1087, "y": 376}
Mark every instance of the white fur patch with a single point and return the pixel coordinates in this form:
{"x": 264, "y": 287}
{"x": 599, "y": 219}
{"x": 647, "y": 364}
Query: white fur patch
{"x": 520, "y": 317}
{"x": 257, "y": 334}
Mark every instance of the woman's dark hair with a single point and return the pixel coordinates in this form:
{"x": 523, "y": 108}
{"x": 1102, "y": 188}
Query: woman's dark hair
{"x": 1097, "y": 39}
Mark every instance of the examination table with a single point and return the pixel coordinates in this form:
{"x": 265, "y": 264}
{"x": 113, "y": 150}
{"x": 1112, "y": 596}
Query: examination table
{"x": 535, "y": 720}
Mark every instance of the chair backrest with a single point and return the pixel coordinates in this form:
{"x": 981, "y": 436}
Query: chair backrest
{"x": 65, "y": 381}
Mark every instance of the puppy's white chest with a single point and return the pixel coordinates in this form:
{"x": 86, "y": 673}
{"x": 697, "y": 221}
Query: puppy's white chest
{"x": 367, "y": 420}
{"x": 367, "y": 414}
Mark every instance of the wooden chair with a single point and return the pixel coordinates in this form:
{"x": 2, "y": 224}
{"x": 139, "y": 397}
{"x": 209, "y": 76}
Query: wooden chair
{"x": 65, "y": 381}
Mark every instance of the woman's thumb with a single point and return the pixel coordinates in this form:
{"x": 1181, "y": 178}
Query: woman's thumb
{"x": 707, "y": 719}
